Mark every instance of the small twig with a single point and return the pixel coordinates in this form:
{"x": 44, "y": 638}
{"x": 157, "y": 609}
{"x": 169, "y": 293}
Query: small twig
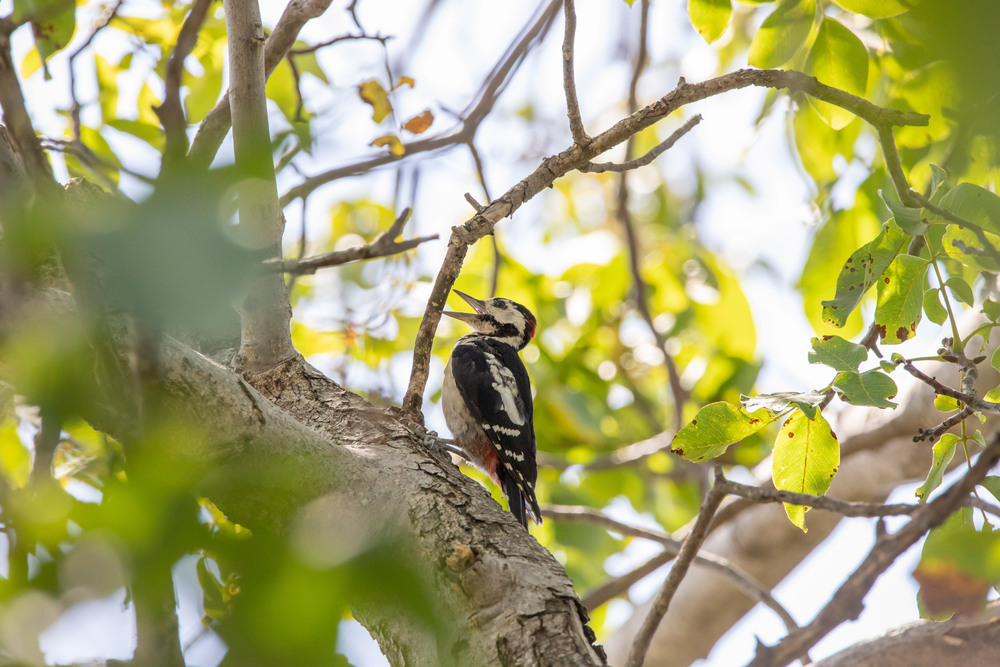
{"x": 616, "y": 586}
{"x": 637, "y": 654}
{"x": 476, "y": 206}
{"x": 46, "y": 441}
{"x": 936, "y": 432}
{"x": 601, "y": 167}
{"x": 18, "y": 121}
{"x": 171, "y": 112}
{"x": 74, "y": 109}
{"x": 580, "y": 137}
{"x": 742, "y": 579}
{"x": 497, "y": 258}
{"x": 306, "y": 50}
{"x": 974, "y": 402}
{"x": 761, "y": 494}
{"x": 382, "y": 246}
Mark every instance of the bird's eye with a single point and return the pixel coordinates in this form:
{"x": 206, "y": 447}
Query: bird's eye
{"x": 502, "y": 305}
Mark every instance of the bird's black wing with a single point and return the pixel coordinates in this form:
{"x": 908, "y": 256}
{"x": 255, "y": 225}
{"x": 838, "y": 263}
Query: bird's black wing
{"x": 494, "y": 384}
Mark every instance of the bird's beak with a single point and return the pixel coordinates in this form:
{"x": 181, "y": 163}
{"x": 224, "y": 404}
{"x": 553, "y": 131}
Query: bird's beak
{"x": 468, "y": 318}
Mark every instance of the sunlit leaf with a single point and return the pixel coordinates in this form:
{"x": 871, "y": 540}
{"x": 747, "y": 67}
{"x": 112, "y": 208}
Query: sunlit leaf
{"x": 782, "y": 34}
{"x": 419, "y": 123}
{"x": 710, "y": 17}
{"x": 944, "y": 450}
{"x": 839, "y": 59}
{"x": 807, "y": 401}
{"x": 908, "y": 218}
{"x": 900, "y": 299}
{"x": 806, "y": 457}
{"x": 865, "y": 266}
{"x": 837, "y": 353}
{"x": 873, "y": 388}
{"x": 372, "y": 93}
{"x": 876, "y": 9}
{"x": 715, "y": 428}
{"x": 391, "y": 142}
{"x": 932, "y": 306}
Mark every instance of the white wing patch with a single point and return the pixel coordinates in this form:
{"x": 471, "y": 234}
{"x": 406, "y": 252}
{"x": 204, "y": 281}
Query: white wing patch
{"x": 506, "y": 387}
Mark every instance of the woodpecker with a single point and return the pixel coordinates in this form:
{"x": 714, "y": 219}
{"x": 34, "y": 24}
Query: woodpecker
{"x": 487, "y": 399}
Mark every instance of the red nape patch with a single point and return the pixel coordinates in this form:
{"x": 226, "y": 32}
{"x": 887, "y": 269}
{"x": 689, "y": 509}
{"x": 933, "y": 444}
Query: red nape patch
{"x": 532, "y": 326}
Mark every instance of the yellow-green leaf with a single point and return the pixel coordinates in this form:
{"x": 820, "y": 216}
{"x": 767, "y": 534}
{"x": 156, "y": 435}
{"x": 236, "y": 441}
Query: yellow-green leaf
{"x": 715, "y": 428}
{"x": 805, "y": 459}
{"x": 876, "y": 9}
{"x": 839, "y": 59}
{"x": 900, "y": 299}
{"x": 782, "y": 34}
{"x": 944, "y": 450}
{"x": 372, "y": 93}
{"x": 710, "y": 17}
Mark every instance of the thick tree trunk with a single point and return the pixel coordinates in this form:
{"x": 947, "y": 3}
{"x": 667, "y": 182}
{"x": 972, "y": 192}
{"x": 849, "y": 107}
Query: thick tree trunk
{"x": 304, "y": 442}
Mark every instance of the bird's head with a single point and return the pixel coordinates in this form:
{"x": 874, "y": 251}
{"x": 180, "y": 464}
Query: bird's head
{"x": 499, "y": 318}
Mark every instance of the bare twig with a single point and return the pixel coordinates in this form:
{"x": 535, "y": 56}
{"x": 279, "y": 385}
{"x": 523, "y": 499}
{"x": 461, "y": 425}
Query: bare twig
{"x": 847, "y": 602}
{"x": 637, "y": 654}
{"x": 171, "y": 112}
{"x": 742, "y": 579}
{"x": 972, "y": 401}
{"x": 74, "y": 109}
{"x": 306, "y": 50}
{"x": 216, "y": 124}
{"x": 666, "y": 144}
{"x": 464, "y": 131}
{"x": 761, "y": 494}
{"x": 936, "y": 432}
{"x": 569, "y": 78}
{"x": 385, "y": 245}
{"x": 616, "y": 586}
{"x": 46, "y": 442}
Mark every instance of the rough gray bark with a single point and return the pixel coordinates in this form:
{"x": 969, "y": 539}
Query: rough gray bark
{"x": 301, "y": 441}
{"x": 878, "y": 455}
{"x": 959, "y": 641}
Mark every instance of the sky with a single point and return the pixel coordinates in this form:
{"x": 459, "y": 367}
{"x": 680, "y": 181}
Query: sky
{"x": 770, "y": 227}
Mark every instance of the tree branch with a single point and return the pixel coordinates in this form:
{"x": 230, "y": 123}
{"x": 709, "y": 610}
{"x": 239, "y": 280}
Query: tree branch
{"x": 692, "y": 543}
{"x": 265, "y": 313}
{"x": 216, "y": 124}
{"x": 171, "y": 112}
{"x": 385, "y": 245}
{"x": 569, "y": 79}
{"x": 576, "y": 156}
{"x": 21, "y": 131}
{"x": 652, "y": 154}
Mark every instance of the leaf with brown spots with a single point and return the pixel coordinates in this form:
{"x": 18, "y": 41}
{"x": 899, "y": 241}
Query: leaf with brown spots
{"x": 860, "y": 272}
{"x": 873, "y": 388}
{"x": 715, "y": 428}
{"x": 900, "y": 299}
{"x": 805, "y": 459}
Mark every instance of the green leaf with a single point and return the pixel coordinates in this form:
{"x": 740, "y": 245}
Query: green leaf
{"x": 900, "y": 299}
{"x": 876, "y": 9}
{"x": 908, "y": 219}
{"x": 837, "y": 353}
{"x": 805, "y": 459}
{"x": 714, "y": 428}
{"x": 991, "y": 309}
{"x": 944, "y": 450}
{"x": 782, "y": 34}
{"x": 52, "y": 21}
{"x": 933, "y": 309}
{"x": 960, "y": 290}
{"x": 839, "y": 59}
{"x": 873, "y": 388}
{"x": 806, "y": 401}
{"x": 710, "y": 17}
{"x": 980, "y": 207}
{"x": 992, "y": 484}
{"x": 938, "y": 176}
{"x": 995, "y": 359}
{"x": 944, "y": 403}
{"x": 860, "y": 271}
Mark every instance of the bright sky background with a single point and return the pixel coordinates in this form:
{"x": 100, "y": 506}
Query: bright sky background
{"x": 769, "y": 228}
